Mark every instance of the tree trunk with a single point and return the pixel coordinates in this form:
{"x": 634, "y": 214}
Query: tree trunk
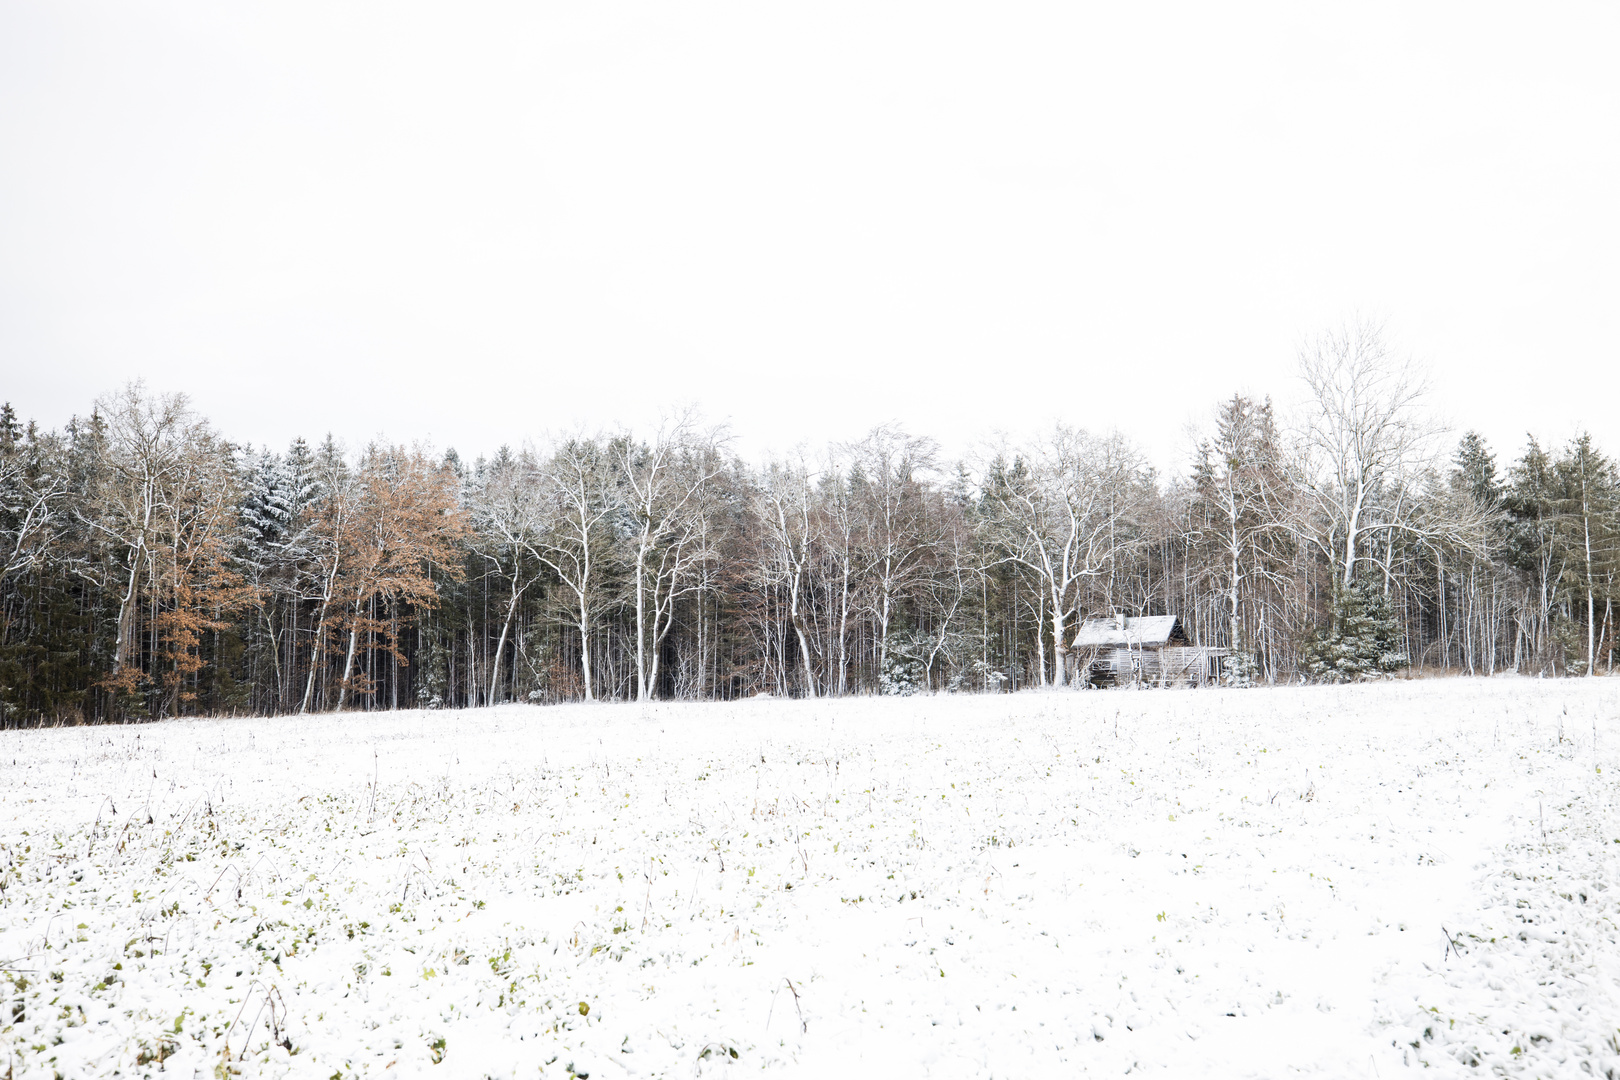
{"x": 126, "y": 612}
{"x": 1040, "y": 639}
{"x": 585, "y": 646}
{"x": 314, "y": 658}
{"x": 804, "y": 656}
{"x": 843, "y": 626}
{"x": 1591, "y": 633}
{"x": 500, "y": 646}
{"x": 348, "y": 661}
{"x": 883, "y": 630}
{"x": 641, "y": 616}
{"x": 1233, "y": 639}
{"x": 1060, "y": 647}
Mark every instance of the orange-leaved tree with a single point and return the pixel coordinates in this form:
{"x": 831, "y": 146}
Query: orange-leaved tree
{"x": 160, "y": 518}
{"x": 381, "y": 531}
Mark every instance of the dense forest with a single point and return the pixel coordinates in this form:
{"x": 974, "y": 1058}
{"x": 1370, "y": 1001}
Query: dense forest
{"x": 151, "y": 567}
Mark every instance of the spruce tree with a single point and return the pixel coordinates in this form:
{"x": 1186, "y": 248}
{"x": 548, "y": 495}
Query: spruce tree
{"x": 1362, "y": 642}
{"x": 1474, "y": 470}
{"x": 11, "y": 431}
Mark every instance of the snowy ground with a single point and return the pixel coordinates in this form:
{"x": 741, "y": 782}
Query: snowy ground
{"x": 1209, "y": 883}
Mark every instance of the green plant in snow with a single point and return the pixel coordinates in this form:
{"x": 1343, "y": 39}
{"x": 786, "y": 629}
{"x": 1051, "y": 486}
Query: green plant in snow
{"x": 1363, "y": 640}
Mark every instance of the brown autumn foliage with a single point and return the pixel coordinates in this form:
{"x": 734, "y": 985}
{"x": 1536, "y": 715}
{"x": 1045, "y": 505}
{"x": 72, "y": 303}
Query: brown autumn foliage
{"x": 162, "y": 534}
{"x": 384, "y": 529}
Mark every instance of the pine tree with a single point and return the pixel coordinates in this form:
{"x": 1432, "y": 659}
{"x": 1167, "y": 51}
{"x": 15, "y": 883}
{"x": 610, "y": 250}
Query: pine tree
{"x": 266, "y": 511}
{"x": 1474, "y": 470}
{"x": 1589, "y": 491}
{"x": 11, "y": 431}
{"x": 1236, "y": 477}
{"x": 1534, "y": 550}
{"x": 1363, "y": 641}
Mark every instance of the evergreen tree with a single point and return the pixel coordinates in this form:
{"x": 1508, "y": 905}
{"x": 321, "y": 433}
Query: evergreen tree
{"x": 266, "y": 510}
{"x": 1363, "y": 641}
{"x": 10, "y": 429}
{"x": 1588, "y": 495}
{"x": 1474, "y": 470}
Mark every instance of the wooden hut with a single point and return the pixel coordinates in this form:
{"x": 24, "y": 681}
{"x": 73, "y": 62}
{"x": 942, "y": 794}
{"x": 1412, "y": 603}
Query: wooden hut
{"x": 1143, "y": 649}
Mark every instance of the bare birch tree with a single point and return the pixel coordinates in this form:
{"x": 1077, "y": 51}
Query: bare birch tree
{"x": 508, "y": 519}
{"x": 165, "y": 513}
{"x": 1060, "y": 517}
{"x": 666, "y": 481}
{"x": 328, "y": 548}
{"x": 889, "y": 471}
{"x": 583, "y": 503}
{"x": 1362, "y": 440}
{"x": 786, "y": 517}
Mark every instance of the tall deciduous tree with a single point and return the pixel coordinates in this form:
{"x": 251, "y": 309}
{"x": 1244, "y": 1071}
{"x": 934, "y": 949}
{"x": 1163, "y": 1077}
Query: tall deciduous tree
{"x": 585, "y": 510}
{"x": 1061, "y": 517}
{"x": 786, "y": 517}
{"x": 507, "y": 503}
{"x": 403, "y": 528}
{"x": 1363, "y": 439}
{"x": 164, "y": 514}
{"x": 667, "y": 483}
{"x": 889, "y": 474}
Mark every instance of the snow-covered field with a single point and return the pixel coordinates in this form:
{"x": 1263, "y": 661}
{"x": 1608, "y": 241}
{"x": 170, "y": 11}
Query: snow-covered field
{"x": 1207, "y": 882}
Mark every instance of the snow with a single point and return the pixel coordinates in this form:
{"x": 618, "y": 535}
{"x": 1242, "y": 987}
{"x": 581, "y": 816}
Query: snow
{"x": 1243, "y": 883}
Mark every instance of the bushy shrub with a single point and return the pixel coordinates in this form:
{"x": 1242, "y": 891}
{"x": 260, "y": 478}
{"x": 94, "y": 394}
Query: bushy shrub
{"x": 901, "y": 676}
{"x": 1241, "y": 669}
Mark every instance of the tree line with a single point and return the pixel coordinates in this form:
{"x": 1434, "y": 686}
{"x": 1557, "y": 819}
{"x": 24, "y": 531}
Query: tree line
{"x": 151, "y": 567}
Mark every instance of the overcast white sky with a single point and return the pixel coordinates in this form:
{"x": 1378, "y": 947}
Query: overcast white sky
{"x": 473, "y": 223}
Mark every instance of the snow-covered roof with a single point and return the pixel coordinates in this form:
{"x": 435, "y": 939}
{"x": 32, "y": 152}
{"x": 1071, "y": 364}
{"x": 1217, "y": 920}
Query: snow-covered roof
{"x": 1138, "y": 630}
